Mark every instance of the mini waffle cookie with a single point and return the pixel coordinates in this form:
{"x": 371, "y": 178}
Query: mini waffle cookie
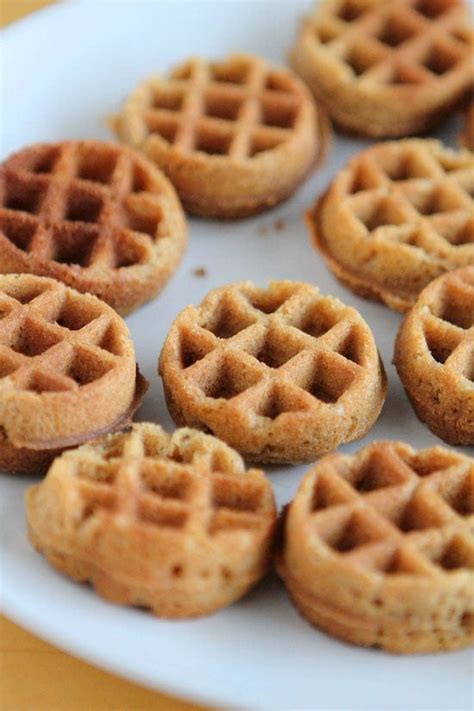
{"x": 235, "y": 137}
{"x": 67, "y": 370}
{"x": 96, "y": 216}
{"x": 378, "y": 548}
{"x": 386, "y": 68}
{"x": 466, "y": 138}
{"x": 169, "y": 522}
{"x": 282, "y": 374}
{"x": 396, "y": 217}
{"x": 434, "y": 356}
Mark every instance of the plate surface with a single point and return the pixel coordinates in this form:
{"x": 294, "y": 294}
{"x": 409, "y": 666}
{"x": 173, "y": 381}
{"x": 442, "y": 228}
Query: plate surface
{"x": 64, "y": 69}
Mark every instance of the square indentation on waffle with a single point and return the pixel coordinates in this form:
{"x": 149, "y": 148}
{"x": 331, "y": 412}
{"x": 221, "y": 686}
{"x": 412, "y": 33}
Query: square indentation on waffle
{"x": 236, "y": 108}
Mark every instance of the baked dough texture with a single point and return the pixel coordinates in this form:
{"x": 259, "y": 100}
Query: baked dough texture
{"x": 377, "y": 548}
{"x": 174, "y": 523}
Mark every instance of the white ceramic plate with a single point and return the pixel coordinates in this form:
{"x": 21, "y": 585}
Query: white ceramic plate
{"x": 63, "y": 70}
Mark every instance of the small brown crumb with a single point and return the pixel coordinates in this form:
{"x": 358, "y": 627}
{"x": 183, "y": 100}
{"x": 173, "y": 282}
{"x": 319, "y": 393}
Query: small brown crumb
{"x": 279, "y": 224}
{"x": 200, "y": 272}
{"x": 262, "y": 229}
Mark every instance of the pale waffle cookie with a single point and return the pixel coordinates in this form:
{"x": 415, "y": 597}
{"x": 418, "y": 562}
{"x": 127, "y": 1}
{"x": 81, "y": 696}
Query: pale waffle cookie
{"x": 378, "y": 548}
{"x": 169, "y": 522}
{"x": 466, "y": 138}
{"x": 396, "y": 217}
{"x": 434, "y": 356}
{"x": 283, "y": 374}
{"x": 235, "y": 137}
{"x": 97, "y": 216}
{"x": 386, "y": 68}
{"x": 67, "y": 370}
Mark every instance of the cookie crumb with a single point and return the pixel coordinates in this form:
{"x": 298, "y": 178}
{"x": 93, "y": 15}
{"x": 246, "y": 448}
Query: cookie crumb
{"x": 262, "y": 229}
{"x": 279, "y": 224}
{"x": 200, "y": 272}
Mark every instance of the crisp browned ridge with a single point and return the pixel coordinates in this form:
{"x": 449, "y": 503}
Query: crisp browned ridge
{"x": 94, "y": 215}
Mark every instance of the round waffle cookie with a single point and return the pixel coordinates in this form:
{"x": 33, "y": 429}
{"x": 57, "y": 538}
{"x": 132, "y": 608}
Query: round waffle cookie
{"x": 386, "y": 67}
{"x": 396, "y": 217}
{"x": 378, "y": 548}
{"x": 282, "y": 374}
{"x": 235, "y": 137}
{"x": 67, "y": 370}
{"x": 96, "y": 216}
{"x": 169, "y": 522}
{"x": 434, "y": 356}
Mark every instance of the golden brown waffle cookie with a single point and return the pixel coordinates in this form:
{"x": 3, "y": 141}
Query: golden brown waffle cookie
{"x": 434, "y": 356}
{"x": 97, "y": 216}
{"x": 67, "y": 370}
{"x": 170, "y": 522}
{"x": 466, "y": 138}
{"x": 235, "y": 137}
{"x": 386, "y": 67}
{"x": 282, "y": 374}
{"x": 378, "y": 548}
{"x": 396, "y": 217}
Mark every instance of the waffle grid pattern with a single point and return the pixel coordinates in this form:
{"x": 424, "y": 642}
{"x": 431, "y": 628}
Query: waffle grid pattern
{"x": 416, "y": 196}
{"x": 274, "y": 353}
{"x": 407, "y": 43}
{"x": 396, "y": 513}
{"x": 237, "y": 108}
{"x": 52, "y": 339}
{"x": 448, "y": 326}
{"x": 181, "y": 483}
{"x": 87, "y": 206}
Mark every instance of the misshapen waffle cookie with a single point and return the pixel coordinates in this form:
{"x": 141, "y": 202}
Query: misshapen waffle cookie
{"x": 235, "y": 137}
{"x": 283, "y": 374}
{"x": 378, "y": 548}
{"x": 434, "y": 356}
{"x": 396, "y": 217}
{"x": 466, "y": 138}
{"x": 67, "y": 370}
{"x": 96, "y": 216}
{"x": 386, "y": 68}
{"x": 169, "y": 522}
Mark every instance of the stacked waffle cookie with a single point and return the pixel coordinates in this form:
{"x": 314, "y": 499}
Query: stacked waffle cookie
{"x": 171, "y": 522}
{"x": 434, "y": 356}
{"x": 94, "y": 215}
{"x": 234, "y": 137}
{"x": 386, "y": 68}
{"x": 67, "y": 371}
{"x": 377, "y": 548}
{"x": 283, "y": 374}
{"x": 396, "y": 217}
